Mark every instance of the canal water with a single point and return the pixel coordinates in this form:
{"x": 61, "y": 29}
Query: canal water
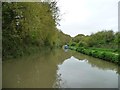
{"x": 59, "y": 69}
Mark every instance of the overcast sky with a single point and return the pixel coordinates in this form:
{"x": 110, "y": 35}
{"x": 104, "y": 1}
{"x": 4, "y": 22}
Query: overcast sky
{"x": 88, "y": 16}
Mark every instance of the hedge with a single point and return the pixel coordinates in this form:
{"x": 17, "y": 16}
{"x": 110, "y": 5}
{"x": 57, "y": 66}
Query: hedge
{"x": 98, "y": 53}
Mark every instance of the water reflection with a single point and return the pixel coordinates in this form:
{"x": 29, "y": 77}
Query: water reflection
{"x": 58, "y": 68}
{"x": 98, "y": 63}
{"x": 66, "y": 50}
{"x": 75, "y": 73}
{"x": 35, "y": 71}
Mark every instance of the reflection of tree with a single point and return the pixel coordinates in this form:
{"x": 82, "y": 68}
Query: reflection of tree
{"x": 57, "y": 83}
{"x": 98, "y": 63}
{"x": 118, "y": 70}
{"x": 38, "y": 70}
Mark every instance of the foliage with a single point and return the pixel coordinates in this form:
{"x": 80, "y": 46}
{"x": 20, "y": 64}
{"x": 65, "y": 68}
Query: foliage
{"x": 103, "y": 45}
{"x": 28, "y": 25}
{"x": 101, "y": 39}
{"x": 102, "y": 54}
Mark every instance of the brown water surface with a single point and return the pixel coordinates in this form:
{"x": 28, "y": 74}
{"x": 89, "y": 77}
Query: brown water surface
{"x": 59, "y": 69}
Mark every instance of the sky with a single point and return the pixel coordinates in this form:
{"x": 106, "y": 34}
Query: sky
{"x": 88, "y": 16}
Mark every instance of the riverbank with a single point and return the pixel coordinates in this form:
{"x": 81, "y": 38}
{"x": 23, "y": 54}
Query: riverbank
{"x": 104, "y": 54}
{"x": 26, "y": 52}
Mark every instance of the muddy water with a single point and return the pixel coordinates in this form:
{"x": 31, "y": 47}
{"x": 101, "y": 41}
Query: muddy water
{"x": 59, "y": 69}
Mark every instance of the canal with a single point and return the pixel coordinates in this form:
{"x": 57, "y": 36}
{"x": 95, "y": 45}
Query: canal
{"x": 59, "y": 69}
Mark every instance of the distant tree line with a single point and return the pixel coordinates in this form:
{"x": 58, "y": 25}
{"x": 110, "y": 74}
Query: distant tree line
{"x": 102, "y": 39}
{"x": 103, "y": 44}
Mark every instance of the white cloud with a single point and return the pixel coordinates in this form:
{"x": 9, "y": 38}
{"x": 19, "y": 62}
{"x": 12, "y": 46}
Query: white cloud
{"x": 87, "y": 16}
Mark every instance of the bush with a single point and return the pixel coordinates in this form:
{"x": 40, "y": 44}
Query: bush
{"x": 98, "y": 53}
{"x": 115, "y": 58}
{"x": 73, "y": 44}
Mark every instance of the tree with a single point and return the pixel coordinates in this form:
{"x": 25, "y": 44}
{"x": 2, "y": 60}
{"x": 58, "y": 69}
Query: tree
{"x": 29, "y": 24}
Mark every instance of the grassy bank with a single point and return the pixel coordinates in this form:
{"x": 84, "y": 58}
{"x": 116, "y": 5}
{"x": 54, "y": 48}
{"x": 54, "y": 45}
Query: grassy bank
{"x": 105, "y": 54}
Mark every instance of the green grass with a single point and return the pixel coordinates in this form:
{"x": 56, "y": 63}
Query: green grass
{"x": 101, "y": 53}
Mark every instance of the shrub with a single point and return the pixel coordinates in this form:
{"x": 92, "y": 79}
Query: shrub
{"x": 99, "y": 53}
